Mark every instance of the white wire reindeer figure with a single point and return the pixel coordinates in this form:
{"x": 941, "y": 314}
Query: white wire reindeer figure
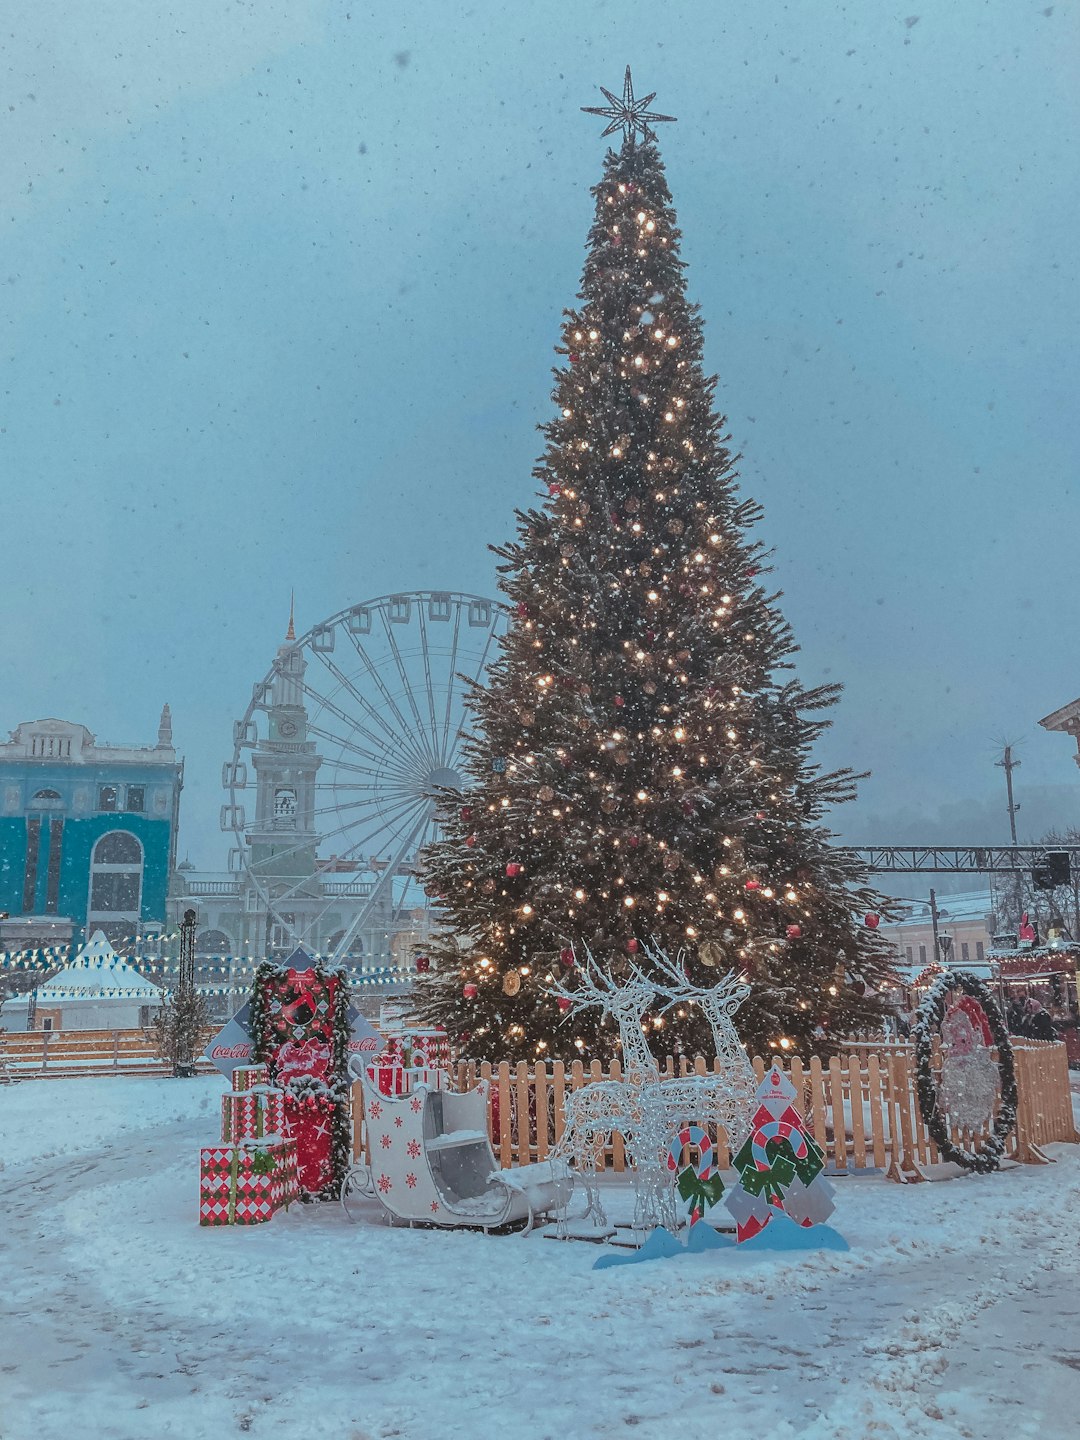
{"x": 598, "y": 1110}
{"x": 723, "y": 1097}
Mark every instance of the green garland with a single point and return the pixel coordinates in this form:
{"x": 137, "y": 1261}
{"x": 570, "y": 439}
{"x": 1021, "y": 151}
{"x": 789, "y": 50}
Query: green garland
{"x": 987, "y": 1156}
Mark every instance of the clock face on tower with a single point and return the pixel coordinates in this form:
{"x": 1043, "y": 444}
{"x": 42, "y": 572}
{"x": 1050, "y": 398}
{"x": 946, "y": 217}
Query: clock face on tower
{"x": 286, "y": 729}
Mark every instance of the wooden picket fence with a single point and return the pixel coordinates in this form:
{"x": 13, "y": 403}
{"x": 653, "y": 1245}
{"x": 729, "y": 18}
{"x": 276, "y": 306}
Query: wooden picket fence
{"x": 65, "y": 1054}
{"x": 861, "y": 1106}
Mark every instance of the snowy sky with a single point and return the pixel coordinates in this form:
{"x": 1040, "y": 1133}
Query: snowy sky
{"x": 282, "y": 281}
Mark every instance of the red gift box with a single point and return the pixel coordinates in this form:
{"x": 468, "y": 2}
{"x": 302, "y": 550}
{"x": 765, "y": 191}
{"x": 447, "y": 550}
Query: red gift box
{"x": 246, "y": 1077}
{"x": 252, "y": 1114}
{"x": 245, "y": 1184}
{"x": 390, "y": 1079}
{"x": 394, "y": 1080}
{"x": 428, "y": 1047}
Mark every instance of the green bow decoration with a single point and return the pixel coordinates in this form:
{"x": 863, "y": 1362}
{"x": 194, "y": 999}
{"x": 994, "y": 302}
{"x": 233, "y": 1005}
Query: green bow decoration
{"x": 263, "y": 1163}
{"x": 772, "y": 1182}
{"x": 700, "y": 1193}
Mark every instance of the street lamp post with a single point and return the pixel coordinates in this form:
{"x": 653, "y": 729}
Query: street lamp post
{"x": 184, "y": 1064}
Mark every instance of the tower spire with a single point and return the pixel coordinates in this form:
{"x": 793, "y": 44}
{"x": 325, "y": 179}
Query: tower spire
{"x": 290, "y": 634}
{"x": 164, "y": 729}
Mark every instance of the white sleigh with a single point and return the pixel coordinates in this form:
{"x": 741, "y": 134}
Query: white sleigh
{"x": 432, "y": 1162}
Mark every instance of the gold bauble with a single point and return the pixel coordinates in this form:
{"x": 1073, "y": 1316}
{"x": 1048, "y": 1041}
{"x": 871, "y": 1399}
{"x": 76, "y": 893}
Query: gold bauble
{"x": 545, "y": 794}
{"x": 511, "y": 982}
{"x": 709, "y": 953}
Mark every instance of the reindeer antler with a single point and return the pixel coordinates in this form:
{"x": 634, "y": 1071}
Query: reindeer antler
{"x": 597, "y": 986}
{"x": 677, "y": 988}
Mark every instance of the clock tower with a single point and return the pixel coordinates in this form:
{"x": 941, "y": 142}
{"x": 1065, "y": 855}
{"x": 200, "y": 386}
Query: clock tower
{"x": 283, "y": 837}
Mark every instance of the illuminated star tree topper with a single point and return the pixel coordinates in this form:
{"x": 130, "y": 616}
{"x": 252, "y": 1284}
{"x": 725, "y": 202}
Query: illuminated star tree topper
{"x": 628, "y": 114}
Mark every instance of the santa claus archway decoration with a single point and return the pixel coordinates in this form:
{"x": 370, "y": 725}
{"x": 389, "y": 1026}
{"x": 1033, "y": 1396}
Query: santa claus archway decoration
{"x": 962, "y": 1014}
{"x": 300, "y": 1029}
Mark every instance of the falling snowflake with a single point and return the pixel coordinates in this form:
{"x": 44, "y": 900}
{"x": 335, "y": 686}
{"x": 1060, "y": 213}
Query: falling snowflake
{"x": 410, "y": 1180}
{"x": 385, "y": 1183}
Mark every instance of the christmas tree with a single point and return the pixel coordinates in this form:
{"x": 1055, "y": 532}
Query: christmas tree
{"x": 641, "y": 750}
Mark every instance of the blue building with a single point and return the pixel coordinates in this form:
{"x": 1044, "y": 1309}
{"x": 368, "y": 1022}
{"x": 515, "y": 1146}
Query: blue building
{"x": 87, "y": 833}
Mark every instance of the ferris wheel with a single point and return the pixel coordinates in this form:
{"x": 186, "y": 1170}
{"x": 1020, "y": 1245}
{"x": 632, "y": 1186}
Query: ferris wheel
{"x": 338, "y": 754}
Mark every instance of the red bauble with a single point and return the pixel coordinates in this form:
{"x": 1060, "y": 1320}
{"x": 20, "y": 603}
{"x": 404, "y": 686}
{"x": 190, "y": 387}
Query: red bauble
{"x": 513, "y": 868}
{"x": 760, "y": 815}
{"x": 687, "y": 807}
{"x": 619, "y": 700}
{"x": 554, "y": 491}
{"x": 753, "y": 885}
{"x": 634, "y": 841}
{"x": 566, "y": 955}
{"x": 466, "y": 1036}
{"x": 469, "y": 991}
{"x": 466, "y": 812}
{"x": 470, "y": 840}
{"x": 871, "y": 921}
{"x": 523, "y": 609}
{"x": 423, "y": 964}
{"x": 563, "y": 1003}
{"x": 574, "y": 359}
{"x": 794, "y": 932}
{"x": 631, "y": 947}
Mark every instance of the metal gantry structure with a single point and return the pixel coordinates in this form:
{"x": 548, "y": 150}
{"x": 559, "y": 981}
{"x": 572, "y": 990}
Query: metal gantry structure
{"x": 961, "y": 859}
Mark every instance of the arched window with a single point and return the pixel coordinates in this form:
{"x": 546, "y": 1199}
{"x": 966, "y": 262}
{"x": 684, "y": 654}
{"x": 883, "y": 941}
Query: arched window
{"x": 213, "y": 942}
{"x": 116, "y": 872}
{"x": 118, "y": 847}
{"x": 284, "y": 807}
{"x": 46, "y": 800}
{"x": 212, "y": 949}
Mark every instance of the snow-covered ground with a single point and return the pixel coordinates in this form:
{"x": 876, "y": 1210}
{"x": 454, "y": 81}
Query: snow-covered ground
{"x": 955, "y": 1313}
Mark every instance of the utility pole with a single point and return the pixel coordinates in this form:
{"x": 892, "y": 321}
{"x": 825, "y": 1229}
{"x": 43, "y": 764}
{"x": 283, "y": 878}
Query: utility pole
{"x": 1008, "y": 764}
{"x": 933, "y": 921}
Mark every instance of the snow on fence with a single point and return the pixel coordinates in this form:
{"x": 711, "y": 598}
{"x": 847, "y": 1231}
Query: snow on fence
{"x": 861, "y": 1106}
{"x": 63, "y": 1054}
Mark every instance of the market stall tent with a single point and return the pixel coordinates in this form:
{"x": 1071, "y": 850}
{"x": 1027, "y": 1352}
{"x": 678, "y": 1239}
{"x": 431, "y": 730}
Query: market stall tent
{"x": 97, "y": 991}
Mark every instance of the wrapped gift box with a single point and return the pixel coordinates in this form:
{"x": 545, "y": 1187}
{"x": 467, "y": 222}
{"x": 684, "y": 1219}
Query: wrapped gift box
{"x": 390, "y": 1079}
{"x": 429, "y": 1048}
{"x": 252, "y": 1114}
{"x": 402, "y": 1080}
{"x": 246, "y": 1077}
{"x": 245, "y": 1184}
